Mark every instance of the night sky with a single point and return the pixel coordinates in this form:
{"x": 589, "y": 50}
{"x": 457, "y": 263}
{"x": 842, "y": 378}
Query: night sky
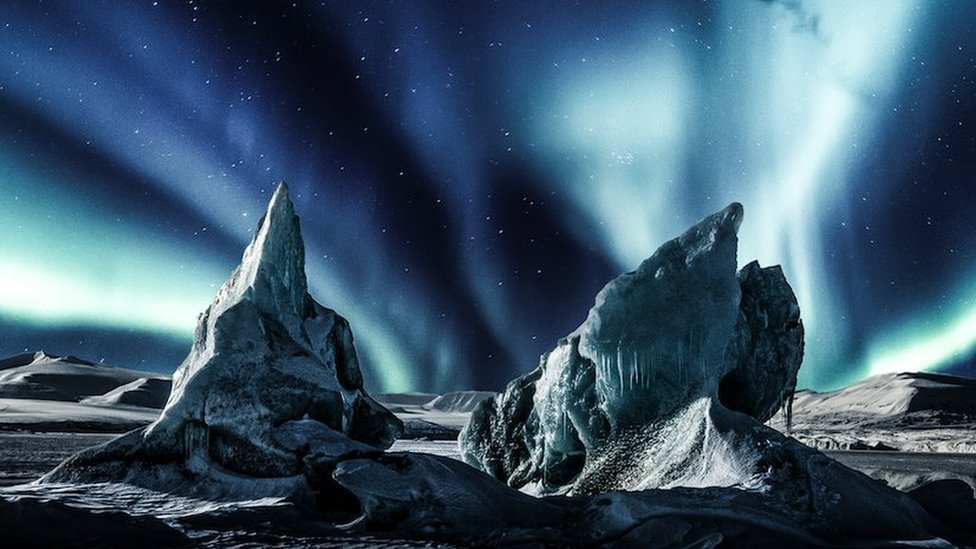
{"x": 470, "y": 174}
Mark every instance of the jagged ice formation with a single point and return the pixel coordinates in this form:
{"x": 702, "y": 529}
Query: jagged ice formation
{"x": 666, "y": 384}
{"x": 271, "y": 384}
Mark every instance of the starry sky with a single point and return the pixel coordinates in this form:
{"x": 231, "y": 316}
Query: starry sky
{"x": 470, "y": 174}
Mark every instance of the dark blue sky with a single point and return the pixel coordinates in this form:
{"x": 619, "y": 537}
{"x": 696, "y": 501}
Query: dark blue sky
{"x": 470, "y": 174}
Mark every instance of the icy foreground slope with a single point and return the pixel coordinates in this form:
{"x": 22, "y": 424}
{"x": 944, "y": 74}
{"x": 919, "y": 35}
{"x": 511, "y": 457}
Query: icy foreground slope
{"x": 666, "y": 384}
{"x": 272, "y": 380}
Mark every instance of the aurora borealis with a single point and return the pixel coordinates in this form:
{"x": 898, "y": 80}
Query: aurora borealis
{"x": 470, "y": 174}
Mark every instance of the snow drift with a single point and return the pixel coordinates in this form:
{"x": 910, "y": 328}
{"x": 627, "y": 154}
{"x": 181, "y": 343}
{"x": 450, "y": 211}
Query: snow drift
{"x": 143, "y": 392}
{"x": 461, "y": 402}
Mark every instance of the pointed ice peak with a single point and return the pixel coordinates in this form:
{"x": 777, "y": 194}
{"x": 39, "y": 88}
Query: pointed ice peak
{"x": 274, "y": 261}
{"x": 278, "y": 238}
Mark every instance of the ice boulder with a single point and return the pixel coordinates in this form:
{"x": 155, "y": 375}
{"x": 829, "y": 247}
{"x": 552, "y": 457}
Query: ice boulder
{"x": 271, "y": 383}
{"x": 656, "y": 342}
{"x": 666, "y": 385}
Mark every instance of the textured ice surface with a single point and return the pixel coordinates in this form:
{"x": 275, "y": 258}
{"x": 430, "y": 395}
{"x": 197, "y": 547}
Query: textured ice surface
{"x": 271, "y": 385}
{"x": 665, "y": 385}
{"x": 656, "y": 341}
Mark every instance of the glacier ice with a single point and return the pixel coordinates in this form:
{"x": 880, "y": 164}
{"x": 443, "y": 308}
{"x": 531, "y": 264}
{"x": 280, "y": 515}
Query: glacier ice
{"x": 271, "y": 384}
{"x": 656, "y": 340}
{"x": 666, "y": 384}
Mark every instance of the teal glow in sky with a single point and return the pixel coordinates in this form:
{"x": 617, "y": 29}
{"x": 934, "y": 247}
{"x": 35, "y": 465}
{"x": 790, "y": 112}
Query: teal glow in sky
{"x": 469, "y": 176}
{"x": 69, "y": 261}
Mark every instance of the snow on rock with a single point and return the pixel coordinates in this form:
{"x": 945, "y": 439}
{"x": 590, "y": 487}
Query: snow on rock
{"x": 271, "y": 385}
{"x": 665, "y": 385}
{"x": 45, "y": 376}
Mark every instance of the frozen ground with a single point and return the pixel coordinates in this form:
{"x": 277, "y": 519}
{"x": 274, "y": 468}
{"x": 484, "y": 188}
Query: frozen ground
{"x": 431, "y": 416}
{"x": 83, "y": 508}
{"x": 909, "y": 470}
{"x": 18, "y": 414}
{"x": 26, "y": 456}
{"x": 242, "y": 523}
{"x": 446, "y": 448}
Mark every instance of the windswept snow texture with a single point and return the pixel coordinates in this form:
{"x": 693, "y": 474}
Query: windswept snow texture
{"x": 271, "y": 385}
{"x": 665, "y": 385}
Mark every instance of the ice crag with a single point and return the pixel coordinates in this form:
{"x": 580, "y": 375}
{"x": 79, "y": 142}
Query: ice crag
{"x": 270, "y": 389}
{"x": 666, "y": 384}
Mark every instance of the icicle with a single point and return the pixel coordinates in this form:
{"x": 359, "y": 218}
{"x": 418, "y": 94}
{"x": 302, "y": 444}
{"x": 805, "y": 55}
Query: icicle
{"x": 620, "y": 368}
{"x": 637, "y": 376}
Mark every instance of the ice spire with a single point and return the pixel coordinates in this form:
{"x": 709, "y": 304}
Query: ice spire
{"x": 272, "y": 374}
{"x": 272, "y": 270}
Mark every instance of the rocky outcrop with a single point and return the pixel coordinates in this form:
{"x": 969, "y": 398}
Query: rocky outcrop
{"x": 766, "y": 349}
{"x": 271, "y": 385}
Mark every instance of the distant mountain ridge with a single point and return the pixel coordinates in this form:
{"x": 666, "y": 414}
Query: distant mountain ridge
{"x": 923, "y": 412}
{"x": 892, "y": 394}
{"x": 24, "y": 359}
{"x": 45, "y": 376}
